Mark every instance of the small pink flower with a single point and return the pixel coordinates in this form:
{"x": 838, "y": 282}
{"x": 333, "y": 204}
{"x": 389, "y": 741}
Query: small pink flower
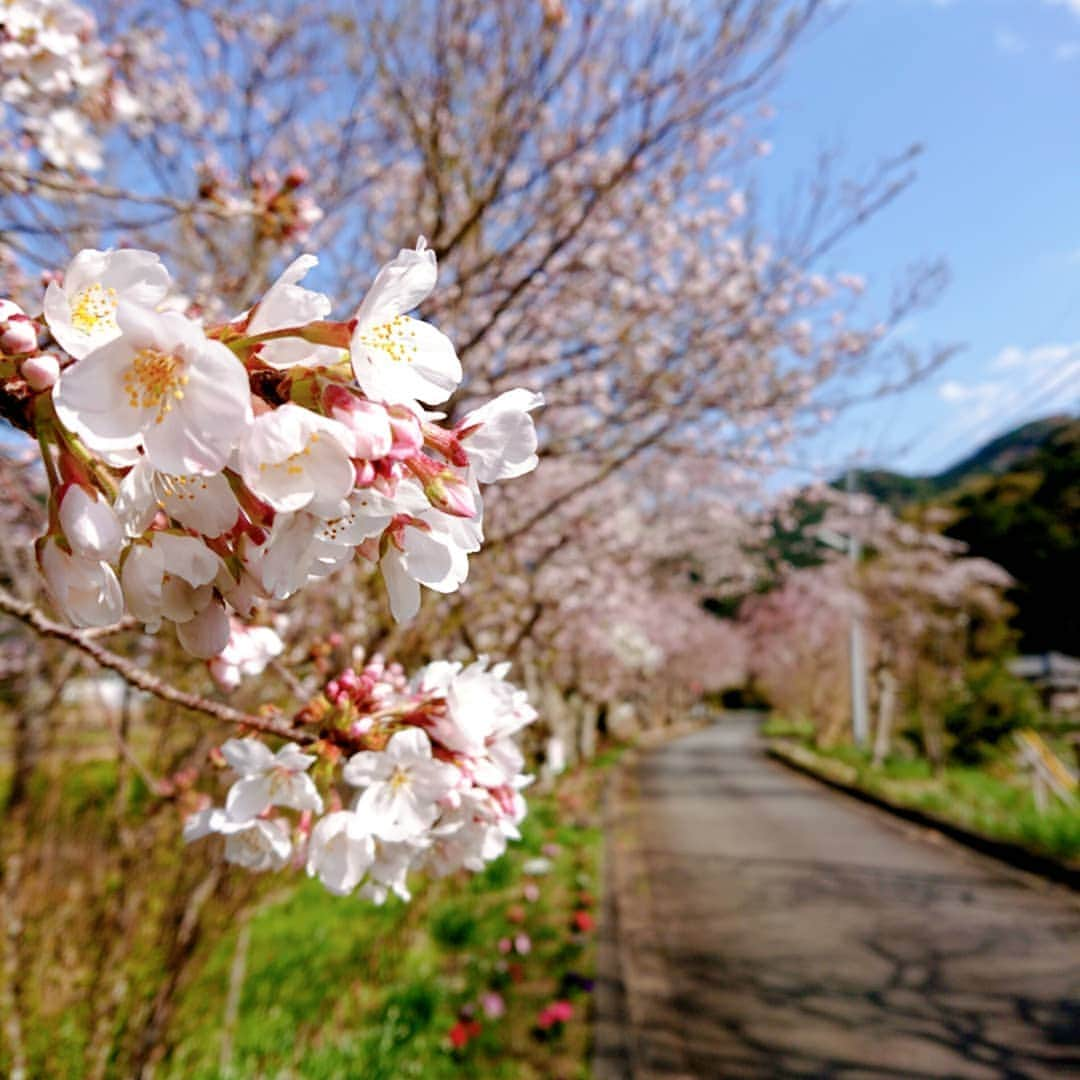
{"x": 505, "y": 945}
{"x": 493, "y": 1005}
{"x": 522, "y": 944}
{"x": 558, "y": 1012}
{"x": 531, "y": 891}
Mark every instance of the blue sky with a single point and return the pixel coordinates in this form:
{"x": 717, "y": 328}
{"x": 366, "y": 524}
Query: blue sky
{"x": 991, "y": 88}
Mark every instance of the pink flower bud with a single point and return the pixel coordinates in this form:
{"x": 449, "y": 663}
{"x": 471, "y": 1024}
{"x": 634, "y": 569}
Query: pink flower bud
{"x": 18, "y": 334}
{"x": 41, "y": 372}
{"x": 445, "y": 489}
{"x": 367, "y": 420}
{"x": 408, "y": 438}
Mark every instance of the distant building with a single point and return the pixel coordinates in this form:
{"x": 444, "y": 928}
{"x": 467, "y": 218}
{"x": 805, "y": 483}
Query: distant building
{"x": 1056, "y": 677}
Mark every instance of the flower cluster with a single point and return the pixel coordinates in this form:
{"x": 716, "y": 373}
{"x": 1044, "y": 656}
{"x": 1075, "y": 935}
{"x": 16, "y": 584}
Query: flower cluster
{"x": 196, "y": 470}
{"x": 433, "y": 782}
{"x": 56, "y": 79}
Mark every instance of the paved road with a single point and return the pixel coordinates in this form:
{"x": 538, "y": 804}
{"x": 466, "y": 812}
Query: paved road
{"x": 805, "y": 935}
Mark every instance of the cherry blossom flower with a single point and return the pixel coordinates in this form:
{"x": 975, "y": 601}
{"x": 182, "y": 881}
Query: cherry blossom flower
{"x": 295, "y": 459}
{"x": 86, "y": 591}
{"x": 481, "y": 706}
{"x": 258, "y": 845}
{"x": 82, "y": 312}
{"x": 500, "y": 438}
{"x": 341, "y": 850}
{"x": 90, "y": 525}
{"x": 286, "y": 303}
{"x": 163, "y": 386}
{"x": 403, "y": 784}
{"x": 205, "y": 504}
{"x": 268, "y": 779}
{"x": 427, "y": 547}
{"x": 395, "y": 358}
{"x": 206, "y": 633}
{"x": 248, "y": 652}
{"x": 169, "y": 578}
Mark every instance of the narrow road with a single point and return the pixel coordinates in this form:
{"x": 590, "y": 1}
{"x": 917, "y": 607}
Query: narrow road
{"x": 801, "y": 934}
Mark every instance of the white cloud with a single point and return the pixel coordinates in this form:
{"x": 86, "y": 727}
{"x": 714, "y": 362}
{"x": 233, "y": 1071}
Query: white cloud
{"x": 1066, "y": 51}
{"x": 1023, "y": 383}
{"x": 957, "y": 393}
{"x": 1072, "y": 5}
{"x": 1045, "y": 359}
{"x": 1005, "y": 41}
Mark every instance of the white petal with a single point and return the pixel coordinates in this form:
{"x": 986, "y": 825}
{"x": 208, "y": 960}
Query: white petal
{"x": 207, "y": 634}
{"x": 403, "y": 591}
{"x": 90, "y": 525}
{"x": 248, "y": 798}
{"x": 249, "y": 757}
{"x": 399, "y": 286}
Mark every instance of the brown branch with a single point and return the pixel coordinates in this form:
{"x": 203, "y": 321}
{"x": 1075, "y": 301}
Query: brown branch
{"x": 33, "y": 618}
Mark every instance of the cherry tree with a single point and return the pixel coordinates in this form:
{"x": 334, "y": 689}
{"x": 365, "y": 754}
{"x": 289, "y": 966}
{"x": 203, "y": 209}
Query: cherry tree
{"x": 926, "y": 606}
{"x": 262, "y": 459}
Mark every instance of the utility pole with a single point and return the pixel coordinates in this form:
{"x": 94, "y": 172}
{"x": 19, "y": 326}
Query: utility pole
{"x": 860, "y": 727}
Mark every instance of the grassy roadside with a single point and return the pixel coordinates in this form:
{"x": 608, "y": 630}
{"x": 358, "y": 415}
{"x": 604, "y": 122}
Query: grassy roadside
{"x": 487, "y": 975}
{"x": 995, "y": 799}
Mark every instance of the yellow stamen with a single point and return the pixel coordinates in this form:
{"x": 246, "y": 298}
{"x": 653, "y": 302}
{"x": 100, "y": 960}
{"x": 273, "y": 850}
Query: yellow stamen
{"x": 154, "y": 380}
{"x": 395, "y": 338}
{"x": 94, "y": 309}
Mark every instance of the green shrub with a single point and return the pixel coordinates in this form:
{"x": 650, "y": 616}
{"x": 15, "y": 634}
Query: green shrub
{"x": 989, "y": 705}
{"x": 453, "y": 926}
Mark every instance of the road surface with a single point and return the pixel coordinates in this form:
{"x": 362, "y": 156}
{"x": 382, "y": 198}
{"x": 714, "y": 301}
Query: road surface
{"x": 802, "y": 934}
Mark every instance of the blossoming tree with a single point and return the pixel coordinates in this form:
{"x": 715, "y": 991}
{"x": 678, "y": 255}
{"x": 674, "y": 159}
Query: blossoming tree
{"x": 234, "y": 473}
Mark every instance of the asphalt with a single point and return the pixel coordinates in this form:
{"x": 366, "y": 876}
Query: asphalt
{"x": 766, "y": 926}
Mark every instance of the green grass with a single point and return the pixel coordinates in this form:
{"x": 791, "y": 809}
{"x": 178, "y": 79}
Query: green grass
{"x": 781, "y": 727}
{"x": 338, "y": 987}
{"x": 991, "y": 799}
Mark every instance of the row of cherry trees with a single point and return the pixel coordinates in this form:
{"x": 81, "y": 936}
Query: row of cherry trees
{"x": 213, "y": 433}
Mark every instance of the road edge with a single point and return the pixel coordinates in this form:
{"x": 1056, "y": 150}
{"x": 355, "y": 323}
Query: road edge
{"x": 639, "y": 970}
{"x": 1013, "y": 855}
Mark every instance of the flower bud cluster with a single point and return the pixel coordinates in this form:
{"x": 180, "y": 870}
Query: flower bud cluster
{"x": 430, "y": 780}
{"x": 197, "y": 470}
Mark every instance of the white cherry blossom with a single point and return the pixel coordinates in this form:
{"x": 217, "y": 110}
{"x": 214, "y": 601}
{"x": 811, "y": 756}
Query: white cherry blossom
{"x": 395, "y": 358}
{"x": 90, "y": 525}
{"x": 171, "y": 577}
{"x": 341, "y": 850}
{"x": 432, "y": 549}
{"x": 249, "y": 650}
{"x": 86, "y": 591}
{"x": 206, "y": 633}
{"x": 82, "y": 312}
{"x": 162, "y": 385}
{"x": 268, "y": 779}
{"x": 500, "y": 438}
{"x": 403, "y": 784}
{"x": 205, "y": 504}
{"x": 286, "y": 304}
{"x": 258, "y": 845}
{"x": 294, "y": 459}
{"x": 481, "y": 706}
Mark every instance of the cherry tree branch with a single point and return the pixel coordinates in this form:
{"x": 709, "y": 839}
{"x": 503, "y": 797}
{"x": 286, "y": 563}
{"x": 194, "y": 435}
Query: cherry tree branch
{"x": 140, "y": 679}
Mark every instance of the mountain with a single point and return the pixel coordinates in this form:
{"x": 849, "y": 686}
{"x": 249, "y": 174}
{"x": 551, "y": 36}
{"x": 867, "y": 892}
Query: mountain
{"x": 1000, "y": 455}
{"x": 1016, "y": 501}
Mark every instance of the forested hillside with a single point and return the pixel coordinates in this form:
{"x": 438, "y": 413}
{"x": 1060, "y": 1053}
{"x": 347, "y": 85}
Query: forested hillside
{"x": 1015, "y": 501}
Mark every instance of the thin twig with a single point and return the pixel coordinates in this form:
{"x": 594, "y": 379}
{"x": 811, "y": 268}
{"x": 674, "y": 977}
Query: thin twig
{"x": 30, "y": 615}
